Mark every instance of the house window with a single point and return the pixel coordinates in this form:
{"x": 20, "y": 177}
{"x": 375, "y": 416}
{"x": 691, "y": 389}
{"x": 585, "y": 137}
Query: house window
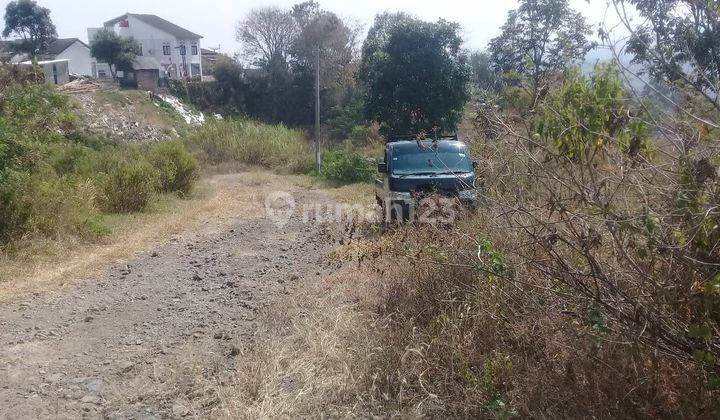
{"x": 194, "y": 50}
{"x": 183, "y": 51}
{"x": 166, "y": 49}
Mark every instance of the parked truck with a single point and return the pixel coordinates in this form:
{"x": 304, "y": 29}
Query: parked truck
{"x": 413, "y": 169}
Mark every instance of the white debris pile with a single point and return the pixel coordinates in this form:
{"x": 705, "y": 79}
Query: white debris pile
{"x": 80, "y": 86}
{"x": 119, "y": 121}
{"x": 191, "y": 117}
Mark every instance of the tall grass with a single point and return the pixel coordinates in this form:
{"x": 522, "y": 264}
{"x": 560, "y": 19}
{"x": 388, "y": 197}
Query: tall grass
{"x": 252, "y": 143}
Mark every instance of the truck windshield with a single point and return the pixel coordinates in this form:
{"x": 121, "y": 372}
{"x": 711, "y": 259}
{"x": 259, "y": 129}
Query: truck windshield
{"x": 431, "y": 163}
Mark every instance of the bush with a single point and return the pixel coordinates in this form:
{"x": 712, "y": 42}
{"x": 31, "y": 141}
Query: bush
{"x": 226, "y": 95}
{"x": 53, "y": 177}
{"x": 583, "y": 117}
{"x": 252, "y": 143}
{"x": 364, "y": 135}
{"x": 177, "y": 168}
{"x": 129, "y": 187}
{"x": 44, "y": 204}
{"x": 466, "y": 323}
{"x": 347, "y": 167}
{"x": 342, "y": 120}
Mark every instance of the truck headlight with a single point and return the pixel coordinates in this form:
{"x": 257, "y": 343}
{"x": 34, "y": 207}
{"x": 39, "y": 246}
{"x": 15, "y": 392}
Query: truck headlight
{"x": 468, "y": 195}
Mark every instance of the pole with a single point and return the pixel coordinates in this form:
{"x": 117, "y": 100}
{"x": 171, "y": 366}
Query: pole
{"x": 317, "y": 109}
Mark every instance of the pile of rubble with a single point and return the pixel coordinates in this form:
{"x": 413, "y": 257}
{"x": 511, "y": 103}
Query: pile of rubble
{"x": 80, "y": 86}
{"x": 190, "y": 116}
{"x": 118, "y": 122}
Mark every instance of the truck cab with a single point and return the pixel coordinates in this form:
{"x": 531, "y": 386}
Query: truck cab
{"x": 411, "y": 169}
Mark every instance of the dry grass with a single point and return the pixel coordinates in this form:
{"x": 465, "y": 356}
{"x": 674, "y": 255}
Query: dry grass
{"x": 310, "y": 359}
{"x": 355, "y": 194}
{"x": 219, "y": 199}
{"x": 460, "y": 342}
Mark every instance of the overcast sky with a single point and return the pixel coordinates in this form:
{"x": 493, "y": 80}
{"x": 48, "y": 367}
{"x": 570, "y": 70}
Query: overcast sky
{"x": 216, "y": 19}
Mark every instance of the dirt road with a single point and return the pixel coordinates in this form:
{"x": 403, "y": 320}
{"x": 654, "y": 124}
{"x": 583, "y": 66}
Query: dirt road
{"x": 111, "y": 345}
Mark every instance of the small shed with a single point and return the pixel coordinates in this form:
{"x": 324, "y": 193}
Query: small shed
{"x": 57, "y": 72}
{"x": 145, "y": 74}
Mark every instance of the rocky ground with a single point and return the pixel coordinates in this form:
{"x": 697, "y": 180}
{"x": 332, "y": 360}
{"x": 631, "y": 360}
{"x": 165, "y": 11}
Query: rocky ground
{"x": 114, "y": 344}
{"x": 119, "y": 121}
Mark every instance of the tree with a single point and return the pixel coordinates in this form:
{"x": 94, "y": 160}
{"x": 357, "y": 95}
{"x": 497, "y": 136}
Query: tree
{"x": 677, "y": 43}
{"x": 347, "y": 116}
{"x": 539, "y": 39}
{"x": 283, "y": 44}
{"x": 31, "y": 23}
{"x": 230, "y": 86}
{"x": 116, "y": 51}
{"x": 337, "y": 41}
{"x": 266, "y": 34}
{"x": 483, "y": 74}
{"x": 416, "y": 74}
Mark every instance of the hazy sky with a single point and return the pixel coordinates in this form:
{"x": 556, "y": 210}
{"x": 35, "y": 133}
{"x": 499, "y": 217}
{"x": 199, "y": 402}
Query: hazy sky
{"x": 216, "y": 20}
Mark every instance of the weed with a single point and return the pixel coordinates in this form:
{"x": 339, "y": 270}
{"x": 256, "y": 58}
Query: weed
{"x": 129, "y": 187}
{"x": 176, "y": 167}
{"x": 252, "y": 143}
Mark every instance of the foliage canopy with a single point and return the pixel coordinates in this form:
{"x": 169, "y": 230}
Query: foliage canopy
{"x": 415, "y": 73}
{"x": 31, "y": 23}
{"x": 118, "y": 52}
{"x": 539, "y": 38}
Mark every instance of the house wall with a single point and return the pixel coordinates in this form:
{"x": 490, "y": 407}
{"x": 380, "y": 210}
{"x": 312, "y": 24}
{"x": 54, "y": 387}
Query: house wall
{"x": 62, "y": 70}
{"x": 50, "y": 69}
{"x": 80, "y": 59}
{"x": 153, "y": 39}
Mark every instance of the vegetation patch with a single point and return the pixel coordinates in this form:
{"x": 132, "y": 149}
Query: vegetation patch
{"x": 252, "y": 143}
{"x": 57, "y": 180}
{"x": 347, "y": 167}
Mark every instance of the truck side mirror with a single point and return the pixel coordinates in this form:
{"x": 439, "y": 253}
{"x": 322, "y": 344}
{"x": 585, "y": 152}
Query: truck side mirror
{"x": 475, "y": 164}
{"x": 382, "y": 167}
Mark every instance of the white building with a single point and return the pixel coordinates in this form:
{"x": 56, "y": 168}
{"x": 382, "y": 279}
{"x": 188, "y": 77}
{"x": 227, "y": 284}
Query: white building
{"x": 76, "y": 52}
{"x": 55, "y": 71}
{"x": 176, "y": 49}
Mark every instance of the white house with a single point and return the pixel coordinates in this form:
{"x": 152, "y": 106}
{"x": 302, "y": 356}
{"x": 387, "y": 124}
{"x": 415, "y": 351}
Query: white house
{"x": 76, "y": 52}
{"x": 73, "y": 50}
{"x": 177, "y": 50}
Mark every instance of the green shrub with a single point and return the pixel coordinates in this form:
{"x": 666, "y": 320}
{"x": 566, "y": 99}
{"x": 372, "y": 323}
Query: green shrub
{"x": 44, "y": 204}
{"x": 585, "y": 116}
{"x": 177, "y": 168}
{"x": 129, "y": 187}
{"x": 53, "y": 177}
{"x": 347, "y": 167}
{"x": 252, "y": 143}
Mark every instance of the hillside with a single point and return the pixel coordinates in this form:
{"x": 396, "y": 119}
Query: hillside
{"x": 130, "y": 115}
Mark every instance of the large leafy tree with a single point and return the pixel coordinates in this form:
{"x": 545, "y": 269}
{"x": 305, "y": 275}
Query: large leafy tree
{"x": 678, "y": 41}
{"x": 416, "y": 74}
{"x": 30, "y": 23}
{"x": 540, "y": 38}
{"x": 282, "y": 44}
{"x": 118, "y": 52}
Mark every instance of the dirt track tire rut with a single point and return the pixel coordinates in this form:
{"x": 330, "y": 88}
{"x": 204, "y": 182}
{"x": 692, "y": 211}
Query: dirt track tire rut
{"x": 104, "y": 346}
